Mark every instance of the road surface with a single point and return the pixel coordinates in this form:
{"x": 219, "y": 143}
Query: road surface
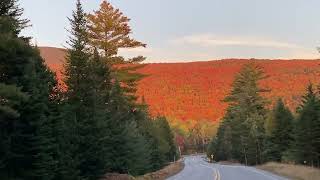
{"x": 196, "y": 168}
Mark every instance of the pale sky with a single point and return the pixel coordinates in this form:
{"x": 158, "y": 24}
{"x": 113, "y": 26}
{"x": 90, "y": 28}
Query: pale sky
{"x": 190, "y": 30}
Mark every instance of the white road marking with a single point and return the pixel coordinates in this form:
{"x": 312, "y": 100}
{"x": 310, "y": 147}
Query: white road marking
{"x": 219, "y": 176}
{"x": 216, "y": 171}
{"x": 196, "y": 168}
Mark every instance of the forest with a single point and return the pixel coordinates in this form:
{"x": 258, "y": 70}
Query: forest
{"x": 90, "y": 127}
{"x": 253, "y": 133}
{"x": 191, "y": 95}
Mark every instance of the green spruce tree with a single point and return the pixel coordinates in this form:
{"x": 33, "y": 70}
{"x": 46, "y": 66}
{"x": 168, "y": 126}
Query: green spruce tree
{"x": 242, "y": 132}
{"x": 126, "y": 148}
{"x": 11, "y": 97}
{"x": 303, "y": 148}
{"x": 10, "y": 17}
{"x": 279, "y": 137}
{"x": 86, "y": 107}
{"x": 166, "y": 134}
{"x": 28, "y": 153}
{"x": 75, "y": 108}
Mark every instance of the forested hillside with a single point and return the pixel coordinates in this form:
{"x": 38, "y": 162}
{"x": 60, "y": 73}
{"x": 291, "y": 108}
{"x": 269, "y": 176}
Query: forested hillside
{"x": 194, "y": 91}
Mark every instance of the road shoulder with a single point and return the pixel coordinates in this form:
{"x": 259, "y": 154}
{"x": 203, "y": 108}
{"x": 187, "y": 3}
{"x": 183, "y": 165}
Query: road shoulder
{"x": 166, "y": 172}
{"x": 291, "y": 171}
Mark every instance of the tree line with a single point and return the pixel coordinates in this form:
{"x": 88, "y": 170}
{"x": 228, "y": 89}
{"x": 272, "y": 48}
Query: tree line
{"x": 94, "y": 124}
{"x": 252, "y": 133}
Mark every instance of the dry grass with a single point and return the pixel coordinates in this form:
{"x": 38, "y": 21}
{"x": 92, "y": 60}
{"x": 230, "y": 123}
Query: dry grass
{"x": 164, "y": 173}
{"x": 115, "y": 176}
{"x": 295, "y": 172}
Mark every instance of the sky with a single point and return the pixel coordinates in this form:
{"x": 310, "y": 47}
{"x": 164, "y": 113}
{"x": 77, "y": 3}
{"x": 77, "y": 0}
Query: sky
{"x": 190, "y": 30}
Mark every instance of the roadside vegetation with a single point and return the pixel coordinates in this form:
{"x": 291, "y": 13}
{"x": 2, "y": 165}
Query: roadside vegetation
{"x": 254, "y": 132}
{"x": 89, "y": 126}
{"x": 168, "y": 171}
{"x": 295, "y": 172}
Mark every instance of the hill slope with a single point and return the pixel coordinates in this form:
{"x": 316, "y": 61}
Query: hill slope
{"x": 194, "y": 91}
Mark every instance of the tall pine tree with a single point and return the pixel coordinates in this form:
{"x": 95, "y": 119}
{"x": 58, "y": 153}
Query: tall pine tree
{"x": 109, "y": 31}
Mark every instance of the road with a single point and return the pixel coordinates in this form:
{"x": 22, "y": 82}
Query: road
{"x": 196, "y": 168}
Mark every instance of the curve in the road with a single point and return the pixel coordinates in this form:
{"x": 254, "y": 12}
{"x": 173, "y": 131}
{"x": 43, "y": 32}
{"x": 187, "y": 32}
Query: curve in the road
{"x": 196, "y": 168}
{"x": 216, "y": 171}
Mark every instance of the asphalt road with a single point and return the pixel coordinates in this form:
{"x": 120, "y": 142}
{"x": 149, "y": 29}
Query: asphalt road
{"x": 196, "y": 168}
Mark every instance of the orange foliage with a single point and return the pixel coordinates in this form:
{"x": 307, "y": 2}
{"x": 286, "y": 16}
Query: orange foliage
{"x": 109, "y": 30}
{"x": 194, "y": 91}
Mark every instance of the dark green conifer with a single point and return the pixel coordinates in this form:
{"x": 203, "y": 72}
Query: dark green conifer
{"x": 278, "y": 140}
{"x": 31, "y": 143}
{"x": 303, "y": 148}
{"x": 242, "y": 133}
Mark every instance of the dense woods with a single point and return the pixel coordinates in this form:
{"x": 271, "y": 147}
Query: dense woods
{"x": 252, "y": 134}
{"x": 195, "y": 91}
{"x": 91, "y": 127}
{"x": 190, "y": 95}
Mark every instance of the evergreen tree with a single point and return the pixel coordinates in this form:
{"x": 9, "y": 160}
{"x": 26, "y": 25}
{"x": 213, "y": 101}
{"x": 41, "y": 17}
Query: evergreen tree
{"x": 10, "y": 17}
{"x": 28, "y": 149}
{"x": 278, "y": 140}
{"x": 166, "y": 134}
{"x": 75, "y": 108}
{"x": 126, "y": 148}
{"x": 11, "y": 97}
{"x": 306, "y": 130}
{"x": 242, "y": 132}
{"x": 89, "y": 83}
{"x": 158, "y": 135}
{"x": 109, "y": 31}
{"x": 102, "y": 129}
{"x": 158, "y": 147}
{"x": 147, "y": 129}
{"x": 226, "y": 144}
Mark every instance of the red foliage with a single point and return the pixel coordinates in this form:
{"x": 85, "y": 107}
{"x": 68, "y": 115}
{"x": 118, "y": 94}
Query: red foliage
{"x": 196, "y": 90}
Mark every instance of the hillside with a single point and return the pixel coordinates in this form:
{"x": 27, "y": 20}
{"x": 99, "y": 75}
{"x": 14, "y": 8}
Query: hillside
{"x": 54, "y": 57}
{"x": 195, "y": 90}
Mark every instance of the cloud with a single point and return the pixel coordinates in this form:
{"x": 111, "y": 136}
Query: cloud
{"x": 200, "y": 47}
{"x": 302, "y": 53}
{"x": 210, "y": 40}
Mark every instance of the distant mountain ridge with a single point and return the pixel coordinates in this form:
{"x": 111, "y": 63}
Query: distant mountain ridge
{"x": 194, "y": 91}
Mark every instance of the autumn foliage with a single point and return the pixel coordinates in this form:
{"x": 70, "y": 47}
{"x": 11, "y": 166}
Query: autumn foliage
{"x": 109, "y": 30}
{"x": 194, "y": 91}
